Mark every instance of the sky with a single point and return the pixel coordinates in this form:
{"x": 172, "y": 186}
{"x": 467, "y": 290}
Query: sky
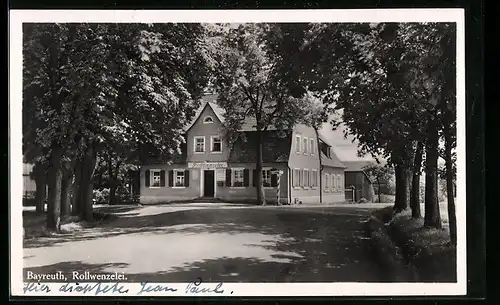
{"x": 343, "y": 147}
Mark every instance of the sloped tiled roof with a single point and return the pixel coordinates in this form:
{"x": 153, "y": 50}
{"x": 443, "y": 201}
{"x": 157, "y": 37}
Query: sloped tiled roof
{"x": 207, "y": 100}
{"x": 250, "y": 124}
{"x": 357, "y": 166}
{"x": 333, "y": 161}
{"x": 274, "y": 148}
{"x": 153, "y": 158}
{"x": 322, "y": 138}
{"x": 211, "y": 100}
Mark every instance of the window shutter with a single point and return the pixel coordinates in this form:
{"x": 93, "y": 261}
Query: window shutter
{"x": 170, "y": 178}
{"x": 186, "y": 177}
{"x": 228, "y": 177}
{"x": 254, "y": 177}
{"x": 246, "y": 177}
{"x": 148, "y": 177}
{"x": 162, "y": 178}
{"x": 274, "y": 180}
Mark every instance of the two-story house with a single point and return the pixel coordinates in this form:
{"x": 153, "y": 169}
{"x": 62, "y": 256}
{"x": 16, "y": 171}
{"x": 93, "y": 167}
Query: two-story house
{"x": 209, "y": 168}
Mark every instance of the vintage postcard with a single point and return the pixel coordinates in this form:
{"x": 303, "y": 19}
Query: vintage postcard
{"x": 237, "y": 153}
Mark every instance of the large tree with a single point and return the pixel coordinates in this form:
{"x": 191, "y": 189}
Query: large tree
{"x": 250, "y": 87}
{"x": 87, "y": 84}
{"x": 385, "y": 79}
{"x": 354, "y": 65}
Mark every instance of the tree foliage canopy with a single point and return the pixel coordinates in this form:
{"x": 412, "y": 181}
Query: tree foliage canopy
{"x": 122, "y": 84}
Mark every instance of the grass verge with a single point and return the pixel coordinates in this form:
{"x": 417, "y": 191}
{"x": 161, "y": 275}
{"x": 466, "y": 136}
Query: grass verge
{"x": 428, "y": 249}
{"x": 34, "y": 225}
{"x": 408, "y": 251}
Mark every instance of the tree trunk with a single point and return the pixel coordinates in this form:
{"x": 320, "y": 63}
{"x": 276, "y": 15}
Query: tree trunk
{"x": 54, "y": 196}
{"x": 113, "y": 180}
{"x": 87, "y": 185}
{"x": 452, "y": 217}
{"x": 76, "y": 200}
{"x": 261, "y": 197}
{"x": 112, "y": 184}
{"x": 415, "y": 183}
{"x": 379, "y": 195}
{"x": 66, "y": 184}
{"x": 432, "y": 218}
{"x": 41, "y": 191}
{"x": 112, "y": 193}
{"x": 401, "y": 201}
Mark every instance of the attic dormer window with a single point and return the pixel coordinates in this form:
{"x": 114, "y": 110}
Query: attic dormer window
{"x": 208, "y": 120}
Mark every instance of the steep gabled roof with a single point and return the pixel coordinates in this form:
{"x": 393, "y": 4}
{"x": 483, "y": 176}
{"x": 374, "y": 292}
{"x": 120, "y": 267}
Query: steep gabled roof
{"x": 210, "y": 100}
{"x": 357, "y": 166}
{"x": 322, "y": 138}
{"x": 275, "y": 148}
{"x": 333, "y": 161}
{"x": 207, "y": 101}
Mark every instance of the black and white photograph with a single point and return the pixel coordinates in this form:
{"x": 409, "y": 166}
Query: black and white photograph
{"x": 205, "y": 154}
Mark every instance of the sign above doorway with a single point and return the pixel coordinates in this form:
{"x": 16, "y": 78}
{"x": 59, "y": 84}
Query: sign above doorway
{"x": 207, "y": 165}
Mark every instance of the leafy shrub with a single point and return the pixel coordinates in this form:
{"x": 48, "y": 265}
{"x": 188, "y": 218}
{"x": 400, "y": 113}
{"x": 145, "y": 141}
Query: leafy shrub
{"x": 386, "y": 198}
{"x": 374, "y": 224}
{"x": 428, "y": 249}
{"x": 385, "y": 215}
{"x": 363, "y": 200}
{"x": 123, "y": 196}
{"x": 101, "y": 196}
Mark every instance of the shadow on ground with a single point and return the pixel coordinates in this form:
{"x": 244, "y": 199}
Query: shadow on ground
{"x": 209, "y": 220}
{"x": 307, "y": 245}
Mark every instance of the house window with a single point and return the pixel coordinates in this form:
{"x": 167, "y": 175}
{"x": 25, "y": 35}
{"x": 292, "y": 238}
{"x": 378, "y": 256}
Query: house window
{"x": 155, "y": 178}
{"x": 305, "y": 142}
{"x": 237, "y": 177}
{"x": 297, "y": 143}
{"x": 327, "y": 182}
{"x": 266, "y": 177}
{"x": 216, "y": 144}
{"x": 199, "y": 144}
{"x": 339, "y": 183}
{"x": 314, "y": 178}
{"x": 296, "y": 177}
{"x": 334, "y": 183}
{"x": 208, "y": 120}
{"x": 179, "y": 178}
{"x": 306, "y": 178}
{"x": 313, "y": 150}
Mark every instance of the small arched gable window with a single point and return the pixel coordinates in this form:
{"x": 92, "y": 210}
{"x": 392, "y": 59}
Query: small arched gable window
{"x": 208, "y": 120}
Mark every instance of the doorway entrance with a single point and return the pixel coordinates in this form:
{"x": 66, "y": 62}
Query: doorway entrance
{"x": 209, "y": 183}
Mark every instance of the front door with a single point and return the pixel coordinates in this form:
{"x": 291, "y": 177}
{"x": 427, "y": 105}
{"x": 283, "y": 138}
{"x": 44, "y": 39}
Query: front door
{"x": 209, "y": 183}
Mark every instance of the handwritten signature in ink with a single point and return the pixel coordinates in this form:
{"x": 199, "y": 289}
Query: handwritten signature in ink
{"x": 196, "y": 288}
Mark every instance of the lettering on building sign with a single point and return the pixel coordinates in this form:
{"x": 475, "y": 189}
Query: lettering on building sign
{"x": 220, "y": 174}
{"x": 207, "y": 165}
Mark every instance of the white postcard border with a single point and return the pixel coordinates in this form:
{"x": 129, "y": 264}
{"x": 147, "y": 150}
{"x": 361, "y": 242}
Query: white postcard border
{"x": 17, "y": 17}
